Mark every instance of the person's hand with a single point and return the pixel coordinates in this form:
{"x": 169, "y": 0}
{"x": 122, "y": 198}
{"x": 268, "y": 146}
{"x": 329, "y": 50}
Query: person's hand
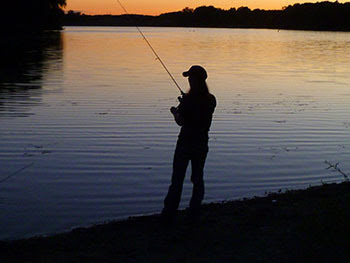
{"x": 173, "y": 110}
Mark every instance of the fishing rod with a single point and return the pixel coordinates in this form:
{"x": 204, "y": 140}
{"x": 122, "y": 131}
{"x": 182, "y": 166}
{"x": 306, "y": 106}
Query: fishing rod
{"x": 154, "y": 52}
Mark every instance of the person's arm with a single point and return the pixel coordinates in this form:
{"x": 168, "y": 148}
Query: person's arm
{"x": 177, "y": 116}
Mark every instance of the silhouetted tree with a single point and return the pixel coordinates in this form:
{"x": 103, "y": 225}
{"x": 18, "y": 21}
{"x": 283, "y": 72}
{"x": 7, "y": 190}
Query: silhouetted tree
{"x": 311, "y": 16}
{"x": 32, "y": 14}
{"x": 187, "y": 10}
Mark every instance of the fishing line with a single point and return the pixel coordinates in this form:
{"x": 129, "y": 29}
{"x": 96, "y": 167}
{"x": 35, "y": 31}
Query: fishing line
{"x": 154, "y": 52}
{"x": 17, "y": 172}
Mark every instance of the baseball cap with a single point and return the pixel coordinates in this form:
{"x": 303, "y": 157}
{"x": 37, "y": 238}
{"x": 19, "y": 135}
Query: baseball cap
{"x": 196, "y": 71}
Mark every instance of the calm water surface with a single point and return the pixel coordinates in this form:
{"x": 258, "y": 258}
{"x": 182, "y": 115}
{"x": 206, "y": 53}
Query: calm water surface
{"x": 87, "y": 111}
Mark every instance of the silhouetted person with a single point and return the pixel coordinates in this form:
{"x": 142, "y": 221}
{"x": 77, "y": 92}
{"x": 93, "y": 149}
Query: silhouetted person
{"x": 194, "y": 115}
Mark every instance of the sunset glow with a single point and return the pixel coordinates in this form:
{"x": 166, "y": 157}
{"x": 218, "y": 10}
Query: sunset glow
{"x": 157, "y": 7}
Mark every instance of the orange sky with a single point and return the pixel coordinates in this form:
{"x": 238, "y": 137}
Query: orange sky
{"x": 156, "y": 7}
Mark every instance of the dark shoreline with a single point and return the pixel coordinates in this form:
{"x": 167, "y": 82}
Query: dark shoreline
{"x": 211, "y": 27}
{"x": 299, "y": 225}
{"x": 320, "y": 16}
{"x": 189, "y": 26}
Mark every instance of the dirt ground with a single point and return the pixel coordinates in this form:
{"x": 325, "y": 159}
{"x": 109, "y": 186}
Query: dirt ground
{"x": 297, "y": 226}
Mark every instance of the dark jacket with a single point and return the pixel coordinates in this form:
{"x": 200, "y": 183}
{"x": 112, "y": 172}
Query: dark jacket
{"x": 196, "y": 113}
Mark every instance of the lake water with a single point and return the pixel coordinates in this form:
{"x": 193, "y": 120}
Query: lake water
{"x": 85, "y": 113}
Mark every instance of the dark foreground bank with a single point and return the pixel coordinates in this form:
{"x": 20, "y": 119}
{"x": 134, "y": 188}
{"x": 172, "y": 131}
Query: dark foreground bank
{"x": 297, "y": 226}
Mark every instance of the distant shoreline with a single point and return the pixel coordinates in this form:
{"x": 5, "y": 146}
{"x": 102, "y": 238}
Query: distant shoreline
{"x": 206, "y": 27}
{"x": 299, "y": 225}
{"x": 320, "y": 16}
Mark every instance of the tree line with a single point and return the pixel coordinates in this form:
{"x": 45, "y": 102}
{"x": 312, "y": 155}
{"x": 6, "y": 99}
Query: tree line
{"x": 308, "y": 16}
{"x": 28, "y": 15}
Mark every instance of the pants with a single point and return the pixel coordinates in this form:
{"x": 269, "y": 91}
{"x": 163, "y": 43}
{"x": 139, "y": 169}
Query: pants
{"x": 184, "y": 154}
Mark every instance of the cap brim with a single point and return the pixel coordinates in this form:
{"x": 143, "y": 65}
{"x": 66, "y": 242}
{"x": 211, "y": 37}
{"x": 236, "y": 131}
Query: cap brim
{"x": 186, "y": 73}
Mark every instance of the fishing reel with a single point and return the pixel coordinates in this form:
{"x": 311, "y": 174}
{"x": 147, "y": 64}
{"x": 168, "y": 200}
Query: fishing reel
{"x": 173, "y": 109}
{"x": 180, "y": 98}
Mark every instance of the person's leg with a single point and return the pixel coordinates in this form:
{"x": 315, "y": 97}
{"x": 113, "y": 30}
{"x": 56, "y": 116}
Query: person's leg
{"x": 197, "y": 163}
{"x": 180, "y": 163}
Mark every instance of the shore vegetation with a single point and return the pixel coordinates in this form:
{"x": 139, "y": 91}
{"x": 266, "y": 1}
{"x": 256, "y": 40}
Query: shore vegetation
{"x": 332, "y": 16}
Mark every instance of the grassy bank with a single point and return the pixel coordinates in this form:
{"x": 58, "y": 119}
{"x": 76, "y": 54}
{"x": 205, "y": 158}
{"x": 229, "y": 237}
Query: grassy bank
{"x": 303, "y": 225}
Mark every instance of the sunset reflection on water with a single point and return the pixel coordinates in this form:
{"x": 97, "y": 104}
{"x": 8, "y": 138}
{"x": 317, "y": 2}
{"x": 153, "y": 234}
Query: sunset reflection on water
{"x": 101, "y": 139}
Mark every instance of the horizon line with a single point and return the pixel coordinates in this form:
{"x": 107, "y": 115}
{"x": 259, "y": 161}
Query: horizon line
{"x": 116, "y": 14}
